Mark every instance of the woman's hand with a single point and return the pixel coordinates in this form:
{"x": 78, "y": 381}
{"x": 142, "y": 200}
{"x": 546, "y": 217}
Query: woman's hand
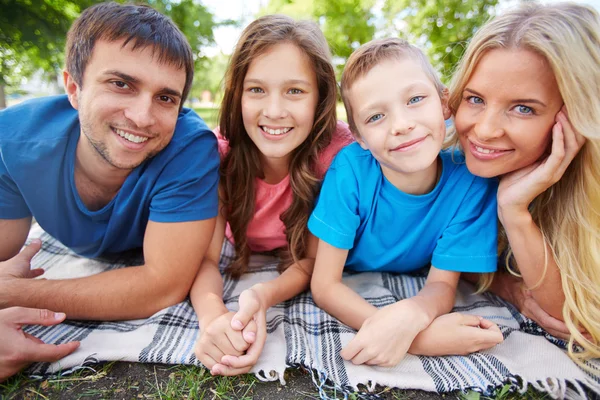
{"x": 519, "y": 188}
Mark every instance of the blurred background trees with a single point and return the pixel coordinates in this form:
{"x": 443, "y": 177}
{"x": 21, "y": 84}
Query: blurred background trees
{"x": 32, "y": 32}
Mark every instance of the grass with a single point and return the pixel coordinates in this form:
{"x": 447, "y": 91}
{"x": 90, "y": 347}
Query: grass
{"x": 162, "y": 382}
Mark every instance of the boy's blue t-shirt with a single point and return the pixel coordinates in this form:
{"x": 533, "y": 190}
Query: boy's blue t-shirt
{"x": 454, "y": 227}
{"x": 37, "y": 157}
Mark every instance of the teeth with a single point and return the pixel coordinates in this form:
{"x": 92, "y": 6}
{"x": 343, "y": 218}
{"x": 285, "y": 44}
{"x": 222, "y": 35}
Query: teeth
{"x": 130, "y": 137}
{"x": 275, "y": 131}
{"x": 484, "y": 151}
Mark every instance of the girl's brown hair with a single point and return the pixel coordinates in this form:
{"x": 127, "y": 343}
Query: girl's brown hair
{"x": 241, "y": 166}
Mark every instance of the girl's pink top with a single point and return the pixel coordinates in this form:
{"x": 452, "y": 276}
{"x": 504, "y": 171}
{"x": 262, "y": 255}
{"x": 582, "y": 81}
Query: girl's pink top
{"x": 266, "y": 231}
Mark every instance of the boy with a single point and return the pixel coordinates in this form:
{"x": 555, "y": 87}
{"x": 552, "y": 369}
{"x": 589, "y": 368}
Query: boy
{"x": 395, "y": 202}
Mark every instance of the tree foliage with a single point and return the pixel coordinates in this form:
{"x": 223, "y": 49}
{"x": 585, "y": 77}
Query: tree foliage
{"x": 441, "y": 28}
{"x": 346, "y": 24}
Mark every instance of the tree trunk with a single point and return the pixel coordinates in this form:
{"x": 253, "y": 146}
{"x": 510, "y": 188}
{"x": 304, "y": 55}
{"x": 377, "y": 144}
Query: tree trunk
{"x": 2, "y": 97}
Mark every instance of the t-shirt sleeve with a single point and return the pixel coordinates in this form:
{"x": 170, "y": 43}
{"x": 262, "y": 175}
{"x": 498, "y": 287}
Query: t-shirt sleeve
{"x": 335, "y": 218}
{"x": 470, "y": 243}
{"x": 189, "y": 183}
{"x": 12, "y": 204}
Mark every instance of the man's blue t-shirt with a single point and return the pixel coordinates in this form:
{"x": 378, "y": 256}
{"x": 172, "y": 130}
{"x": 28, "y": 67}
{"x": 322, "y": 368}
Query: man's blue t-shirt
{"x": 453, "y": 227}
{"x": 38, "y": 139}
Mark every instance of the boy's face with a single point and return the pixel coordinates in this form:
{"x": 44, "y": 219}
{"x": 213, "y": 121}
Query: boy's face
{"x": 400, "y": 118}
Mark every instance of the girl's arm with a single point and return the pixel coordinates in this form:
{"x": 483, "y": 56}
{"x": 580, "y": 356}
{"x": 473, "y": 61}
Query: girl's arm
{"x": 517, "y": 190}
{"x": 216, "y": 337}
{"x": 331, "y": 294}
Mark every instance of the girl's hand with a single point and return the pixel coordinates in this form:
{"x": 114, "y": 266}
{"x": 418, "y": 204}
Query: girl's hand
{"x": 217, "y": 339}
{"x": 518, "y": 189}
{"x": 456, "y": 334}
{"x": 251, "y": 322}
{"x": 385, "y": 337}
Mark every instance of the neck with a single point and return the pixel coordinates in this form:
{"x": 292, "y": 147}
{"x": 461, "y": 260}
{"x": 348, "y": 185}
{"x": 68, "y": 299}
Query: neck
{"x": 274, "y": 169}
{"x": 96, "y": 181}
{"x": 417, "y": 183}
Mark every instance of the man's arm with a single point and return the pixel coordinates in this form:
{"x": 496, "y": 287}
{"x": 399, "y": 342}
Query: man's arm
{"x": 13, "y": 233}
{"x": 172, "y": 252}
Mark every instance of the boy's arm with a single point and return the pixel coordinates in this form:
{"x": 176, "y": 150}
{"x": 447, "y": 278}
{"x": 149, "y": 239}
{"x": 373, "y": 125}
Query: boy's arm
{"x": 173, "y": 253}
{"x": 385, "y": 338}
{"x": 331, "y": 294}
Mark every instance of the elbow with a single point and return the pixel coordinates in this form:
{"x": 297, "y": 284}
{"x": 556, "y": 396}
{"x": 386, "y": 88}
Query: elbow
{"x": 319, "y": 292}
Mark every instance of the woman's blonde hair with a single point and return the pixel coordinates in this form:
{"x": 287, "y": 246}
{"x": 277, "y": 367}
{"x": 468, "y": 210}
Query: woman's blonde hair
{"x": 242, "y": 164}
{"x": 568, "y": 213}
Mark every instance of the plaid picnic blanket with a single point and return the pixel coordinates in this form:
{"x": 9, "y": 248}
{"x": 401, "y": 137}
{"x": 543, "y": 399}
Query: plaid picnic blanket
{"x": 301, "y": 334}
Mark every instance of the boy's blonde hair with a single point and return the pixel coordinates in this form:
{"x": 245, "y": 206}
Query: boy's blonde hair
{"x": 567, "y": 35}
{"x": 367, "y": 56}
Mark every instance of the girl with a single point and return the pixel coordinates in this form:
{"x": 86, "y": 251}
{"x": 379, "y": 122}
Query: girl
{"x": 279, "y": 135}
{"x": 527, "y": 109}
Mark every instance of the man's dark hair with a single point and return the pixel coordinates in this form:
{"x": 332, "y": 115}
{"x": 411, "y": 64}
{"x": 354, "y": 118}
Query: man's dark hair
{"x": 141, "y": 25}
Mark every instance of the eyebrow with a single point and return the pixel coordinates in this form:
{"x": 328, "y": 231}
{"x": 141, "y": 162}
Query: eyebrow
{"x": 536, "y": 101}
{"x": 288, "y": 82}
{"x": 133, "y": 79}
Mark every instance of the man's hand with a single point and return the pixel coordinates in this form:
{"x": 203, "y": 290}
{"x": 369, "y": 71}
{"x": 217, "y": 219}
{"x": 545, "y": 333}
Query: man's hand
{"x": 385, "y": 337}
{"x": 20, "y": 265}
{"x": 251, "y": 321}
{"x": 18, "y": 349}
{"x": 456, "y": 334}
{"x": 217, "y": 339}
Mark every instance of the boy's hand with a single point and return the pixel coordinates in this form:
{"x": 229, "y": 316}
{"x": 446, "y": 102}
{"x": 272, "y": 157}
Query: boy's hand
{"x": 385, "y": 337}
{"x": 20, "y": 265}
{"x": 456, "y": 334}
{"x": 217, "y": 338}
{"x": 250, "y": 321}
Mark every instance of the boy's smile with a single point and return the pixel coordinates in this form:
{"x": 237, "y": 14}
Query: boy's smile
{"x": 400, "y": 119}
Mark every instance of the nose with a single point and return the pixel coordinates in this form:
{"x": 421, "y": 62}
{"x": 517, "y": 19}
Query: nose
{"x": 488, "y": 126}
{"x": 402, "y": 125}
{"x": 140, "y": 111}
{"x": 275, "y": 107}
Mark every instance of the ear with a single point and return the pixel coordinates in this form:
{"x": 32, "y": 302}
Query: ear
{"x": 445, "y": 108}
{"x": 71, "y": 88}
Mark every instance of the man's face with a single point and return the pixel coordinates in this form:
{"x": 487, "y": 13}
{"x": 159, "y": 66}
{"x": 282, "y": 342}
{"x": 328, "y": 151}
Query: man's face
{"x": 128, "y": 105}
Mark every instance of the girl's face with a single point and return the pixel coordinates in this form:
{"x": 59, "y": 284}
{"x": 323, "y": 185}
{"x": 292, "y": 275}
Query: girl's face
{"x": 279, "y": 100}
{"x": 507, "y": 111}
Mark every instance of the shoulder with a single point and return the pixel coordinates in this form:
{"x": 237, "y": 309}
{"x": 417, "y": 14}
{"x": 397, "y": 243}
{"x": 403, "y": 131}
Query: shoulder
{"x": 341, "y": 138}
{"x": 46, "y": 117}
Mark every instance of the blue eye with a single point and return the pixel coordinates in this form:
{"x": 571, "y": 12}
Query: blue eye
{"x": 524, "y": 110}
{"x": 375, "y": 118}
{"x": 416, "y": 99}
{"x": 474, "y": 100}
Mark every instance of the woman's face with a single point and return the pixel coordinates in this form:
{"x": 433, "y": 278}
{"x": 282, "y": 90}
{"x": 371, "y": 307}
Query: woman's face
{"x": 508, "y": 108}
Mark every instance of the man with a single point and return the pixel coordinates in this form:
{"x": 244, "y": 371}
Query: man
{"x": 113, "y": 165}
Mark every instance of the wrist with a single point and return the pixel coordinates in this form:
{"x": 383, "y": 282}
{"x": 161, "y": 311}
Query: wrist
{"x": 418, "y": 314}
{"x": 262, "y": 292}
{"x": 513, "y": 215}
{"x": 214, "y": 308}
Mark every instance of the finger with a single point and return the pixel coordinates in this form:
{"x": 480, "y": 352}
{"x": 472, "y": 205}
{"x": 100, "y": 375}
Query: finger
{"x": 489, "y": 325}
{"x": 351, "y": 349}
{"x": 237, "y": 341}
{"x": 544, "y": 319}
{"x": 50, "y": 352}
{"x": 470, "y": 320}
{"x": 30, "y": 250}
{"x": 36, "y": 316}
{"x": 213, "y": 353}
{"x": 255, "y": 349}
{"x": 363, "y": 356}
{"x": 224, "y": 370}
{"x": 207, "y": 361}
{"x": 34, "y": 273}
{"x": 33, "y": 338}
{"x": 249, "y": 306}
{"x": 249, "y": 332}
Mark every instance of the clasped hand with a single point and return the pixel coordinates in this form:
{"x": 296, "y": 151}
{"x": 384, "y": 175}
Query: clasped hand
{"x": 231, "y": 343}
